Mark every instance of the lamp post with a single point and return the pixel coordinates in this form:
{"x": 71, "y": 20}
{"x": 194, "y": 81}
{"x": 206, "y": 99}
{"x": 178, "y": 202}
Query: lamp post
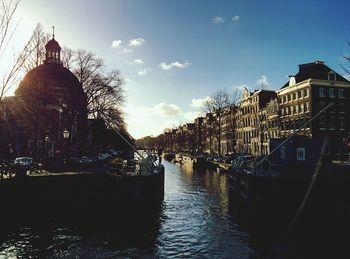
{"x": 65, "y": 136}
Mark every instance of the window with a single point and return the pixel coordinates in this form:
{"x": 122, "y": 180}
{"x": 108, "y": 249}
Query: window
{"x": 299, "y": 94}
{"x": 341, "y": 93}
{"x": 331, "y": 92}
{"x": 30, "y": 143}
{"x": 306, "y": 107}
{"x": 294, "y": 96}
{"x": 284, "y": 99}
{"x": 331, "y": 123}
{"x": 341, "y": 123}
{"x": 39, "y": 144}
{"x": 321, "y": 92}
{"x": 294, "y": 109}
{"x": 332, "y": 76}
{"x": 300, "y": 154}
{"x": 283, "y": 152}
{"x": 289, "y": 97}
{"x": 322, "y": 122}
{"x": 306, "y": 92}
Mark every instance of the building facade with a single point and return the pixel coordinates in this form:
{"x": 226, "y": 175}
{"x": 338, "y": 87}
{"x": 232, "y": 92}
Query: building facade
{"x": 313, "y": 88}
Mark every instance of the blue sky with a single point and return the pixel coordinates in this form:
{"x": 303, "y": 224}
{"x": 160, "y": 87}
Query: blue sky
{"x": 174, "y": 53}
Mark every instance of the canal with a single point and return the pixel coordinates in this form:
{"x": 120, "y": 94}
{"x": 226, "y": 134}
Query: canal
{"x": 196, "y": 219}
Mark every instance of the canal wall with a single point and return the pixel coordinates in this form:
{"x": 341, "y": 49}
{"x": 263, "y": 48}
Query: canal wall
{"x": 88, "y": 195}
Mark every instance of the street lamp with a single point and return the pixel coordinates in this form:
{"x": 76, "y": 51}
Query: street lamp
{"x": 65, "y": 136}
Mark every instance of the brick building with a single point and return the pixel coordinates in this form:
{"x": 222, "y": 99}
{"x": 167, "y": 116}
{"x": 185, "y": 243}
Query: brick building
{"x": 309, "y": 91}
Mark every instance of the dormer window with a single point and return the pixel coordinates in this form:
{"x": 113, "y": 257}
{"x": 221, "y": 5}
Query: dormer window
{"x": 332, "y": 76}
{"x": 292, "y": 80}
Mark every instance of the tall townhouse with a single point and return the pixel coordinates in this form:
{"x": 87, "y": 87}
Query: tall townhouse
{"x": 189, "y": 137}
{"x": 314, "y": 87}
{"x": 272, "y": 130}
{"x": 199, "y": 134}
{"x": 208, "y": 133}
{"x": 251, "y": 121}
{"x": 228, "y": 130}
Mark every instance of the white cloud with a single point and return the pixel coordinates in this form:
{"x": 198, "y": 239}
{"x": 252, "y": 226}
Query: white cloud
{"x": 135, "y": 62}
{"x": 263, "y": 81}
{"x": 165, "y": 66}
{"x": 144, "y": 71}
{"x": 235, "y": 18}
{"x": 136, "y": 42}
{"x": 218, "y": 20}
{"x": 126, "y": 50}
{"x": 138, "y": 61}
{"x": 191, "y": 116}
{"x": 167, "y": 109}
{"x": 140, "y": 121}
{"x": 199, "y": 103}
{"x": 163, "y": 110}
{"x": 116, "y": 44}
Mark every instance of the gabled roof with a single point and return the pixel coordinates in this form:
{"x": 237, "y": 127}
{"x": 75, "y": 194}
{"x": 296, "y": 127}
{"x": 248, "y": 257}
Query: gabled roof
{"x": 314, "y": 70}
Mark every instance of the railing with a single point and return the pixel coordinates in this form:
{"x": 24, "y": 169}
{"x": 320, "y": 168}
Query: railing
{"x": 8, "y": 170}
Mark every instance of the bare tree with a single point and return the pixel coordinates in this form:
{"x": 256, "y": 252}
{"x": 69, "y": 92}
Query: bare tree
{"x": 217, "y": 102}
{"x": 7, "y": 10}
{"x": 346, "y": 66}
{"x": 37, "y": 45}
{"x": 67, "y": 57}
{"x": 104, "y": 89}
{"x": 14, "y": 73}
{"x": 234, "y": 97}
{"x": 7, "y": 29}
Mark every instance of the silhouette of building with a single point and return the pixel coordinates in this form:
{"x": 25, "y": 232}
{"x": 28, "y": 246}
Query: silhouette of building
{"x": 48, "y": 101}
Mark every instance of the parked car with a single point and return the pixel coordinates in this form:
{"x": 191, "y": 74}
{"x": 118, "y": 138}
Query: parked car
{"x": 27, "y": 162}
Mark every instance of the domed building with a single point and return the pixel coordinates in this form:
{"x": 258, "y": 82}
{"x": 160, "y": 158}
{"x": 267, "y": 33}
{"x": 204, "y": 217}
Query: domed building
{"x": 48, "y": 113}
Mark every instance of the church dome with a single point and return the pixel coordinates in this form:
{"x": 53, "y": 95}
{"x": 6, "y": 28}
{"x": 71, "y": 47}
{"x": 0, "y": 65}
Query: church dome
{"x": 53, "y": 84}
{"x": 52, "y": 45}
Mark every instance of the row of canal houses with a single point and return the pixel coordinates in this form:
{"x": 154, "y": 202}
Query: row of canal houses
{"x": 263, "y": 115}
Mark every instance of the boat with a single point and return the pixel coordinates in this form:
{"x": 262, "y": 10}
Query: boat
{"x": 169, "y": 156}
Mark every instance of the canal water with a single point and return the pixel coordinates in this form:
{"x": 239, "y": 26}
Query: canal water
{"x": 195, "y": 220}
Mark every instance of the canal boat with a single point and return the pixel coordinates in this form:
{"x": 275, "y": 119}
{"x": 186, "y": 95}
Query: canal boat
{"x": 169, "y": 156}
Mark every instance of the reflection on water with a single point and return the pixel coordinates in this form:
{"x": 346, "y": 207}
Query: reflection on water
{"x": 196, "y": 219}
